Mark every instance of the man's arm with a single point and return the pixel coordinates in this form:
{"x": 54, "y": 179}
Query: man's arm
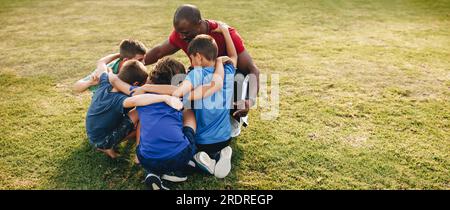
{"x": 159, "y": 51}
{"x": 147, "y": 99}
{"x": 246, "y": 66}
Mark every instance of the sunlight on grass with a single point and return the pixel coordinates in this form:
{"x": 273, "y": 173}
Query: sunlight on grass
{"x": 364, "y": 93}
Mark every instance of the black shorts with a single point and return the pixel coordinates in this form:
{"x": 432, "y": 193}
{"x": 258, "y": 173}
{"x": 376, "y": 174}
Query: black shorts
{"x": 113, "y": 139}
{"x": 178, "y": 163}
{"x": 213, "y": 149}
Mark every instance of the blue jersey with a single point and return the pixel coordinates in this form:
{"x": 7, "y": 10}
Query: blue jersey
{"x": 106, "y": 111}
{"x": 213, "y": 113}
{"x": 161, "y": 133}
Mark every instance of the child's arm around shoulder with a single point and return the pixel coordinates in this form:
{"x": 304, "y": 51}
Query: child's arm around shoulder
{"x": 231, "y": 49}
{"x": 94, "y": 78}
{"x": 147, "y": 99}
{"x": 119, "y": 84}
{"x": 153, "y": 88}
{"x": 177, "y": 91}
{"x": 101, "y": 64}
{"x": 216, "y": 82}
{"x": 85, "y": 83}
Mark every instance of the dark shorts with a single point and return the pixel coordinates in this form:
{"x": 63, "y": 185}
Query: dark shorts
{"x": 177, "y": 163}
{"x": 112, "y": 139}
{"x": 213, "y": 149}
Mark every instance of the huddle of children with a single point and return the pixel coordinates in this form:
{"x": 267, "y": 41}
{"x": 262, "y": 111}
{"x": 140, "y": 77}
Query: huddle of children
{"x": 178, "y": 127}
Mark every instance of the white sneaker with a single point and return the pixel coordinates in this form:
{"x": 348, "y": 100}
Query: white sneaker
{"x": 174, "y": 177}
{"x": 223, "y": 166}
{"x": 235, "y": 127}
{"x": 153, "y": 182}
{"x": 205, "y": 162}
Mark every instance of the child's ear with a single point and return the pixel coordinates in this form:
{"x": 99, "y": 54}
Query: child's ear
{"x": 136, "y": 84}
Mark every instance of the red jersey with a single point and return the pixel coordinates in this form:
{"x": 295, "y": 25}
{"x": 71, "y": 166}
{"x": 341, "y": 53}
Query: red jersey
{"x": 175, "y": 39}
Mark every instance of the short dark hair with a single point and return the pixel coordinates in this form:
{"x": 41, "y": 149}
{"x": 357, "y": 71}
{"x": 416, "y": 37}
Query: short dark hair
{"x": 164, "y": 70}
{"x": 187, "y": 12}
{"x": 205, "y": 45}
{"x": 133, "y": 71}
{"x": 129, "y": 48}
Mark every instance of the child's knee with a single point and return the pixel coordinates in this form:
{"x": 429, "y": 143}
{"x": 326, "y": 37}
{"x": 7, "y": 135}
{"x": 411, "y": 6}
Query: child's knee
{"x": 189, "y": 119}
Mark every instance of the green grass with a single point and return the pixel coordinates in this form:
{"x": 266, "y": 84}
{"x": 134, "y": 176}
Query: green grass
{"x": 364, "y": 93}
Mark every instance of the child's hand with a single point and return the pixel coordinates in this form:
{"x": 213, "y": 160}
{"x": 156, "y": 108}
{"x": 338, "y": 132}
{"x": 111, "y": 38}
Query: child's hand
{"x": 138, "y": 91}
{"x": 112, "y": 77}
{"x": 94, "y": 80}
{"x": 221, "y": 28}
{"x": 224, "y": 59}
{"x": 174, "y": 102}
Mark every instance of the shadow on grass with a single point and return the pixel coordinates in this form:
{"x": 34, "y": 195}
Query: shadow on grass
{"x": 203, "y": 181}
{"x": 86, "y": 168}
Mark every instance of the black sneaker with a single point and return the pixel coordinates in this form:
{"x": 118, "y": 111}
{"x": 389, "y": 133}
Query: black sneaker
{"x": 154, "y": 182}
{"x": 174, "y": 177}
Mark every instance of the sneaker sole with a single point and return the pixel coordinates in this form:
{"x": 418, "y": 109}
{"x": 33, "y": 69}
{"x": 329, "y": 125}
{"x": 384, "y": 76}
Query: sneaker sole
{"x": 201, "y": 158}
{"x": 173, "y": 178}
{"x": 235, "y": 127}
{"x": 154, "y": 182}
{"x": 223, "y": 166}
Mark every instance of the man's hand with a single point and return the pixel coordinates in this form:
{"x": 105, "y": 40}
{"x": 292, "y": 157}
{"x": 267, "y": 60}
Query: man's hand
{"x": 242, "y": 108}
{"x": 174, "y": 102}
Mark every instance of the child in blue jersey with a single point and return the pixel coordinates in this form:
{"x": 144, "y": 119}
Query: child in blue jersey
{"x": 109, "y": 119}
{"x": 212, "y": 103}
{"x": 166, "y": 135}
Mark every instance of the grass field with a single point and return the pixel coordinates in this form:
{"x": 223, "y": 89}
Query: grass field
{"x": 364, "y": 92}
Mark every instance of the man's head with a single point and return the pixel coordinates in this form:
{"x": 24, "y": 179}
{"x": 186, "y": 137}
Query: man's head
{"x": 164, "y": 71}
{"x": 202, "y": 48}
{"x": 187, "y": 21}
{"x": 133, "y": 72}
{"x": 132, "y": 49}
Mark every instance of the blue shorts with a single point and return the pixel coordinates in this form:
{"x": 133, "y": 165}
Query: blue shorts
{"x": 113, "y": 138}
{"x": 177, "y": 163}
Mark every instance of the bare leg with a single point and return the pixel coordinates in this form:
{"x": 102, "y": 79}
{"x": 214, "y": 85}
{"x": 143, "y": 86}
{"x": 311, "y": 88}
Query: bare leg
{"x": 138, "y": 137}
{"x": 189, "y": 119}
{"x": 131, "y": 136}
{"x": 109, "y": 152}
{"x": 138, "y": 133}
{"x": 133, "y": 115}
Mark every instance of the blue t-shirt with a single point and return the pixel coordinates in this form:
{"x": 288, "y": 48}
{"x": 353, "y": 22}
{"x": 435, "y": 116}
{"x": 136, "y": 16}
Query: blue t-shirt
{"x": 106, "y": 111}
{"x": 213, "y": 113}
{"x": 161, "y": 134}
